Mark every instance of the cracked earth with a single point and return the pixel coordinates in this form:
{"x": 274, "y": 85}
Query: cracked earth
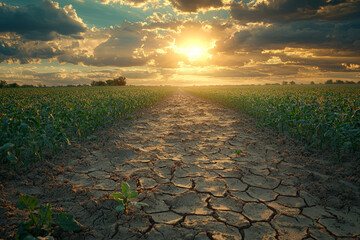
{"x": 180, "y": 156}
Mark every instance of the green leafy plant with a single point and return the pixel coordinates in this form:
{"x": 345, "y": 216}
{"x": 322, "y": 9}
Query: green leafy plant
{"x": 239, "y": 152}
{"x": 41, "y": 221}
{"x": 39, "y": 122}
{"x": 123, "y": 198}
{"x": 323, "y": 117}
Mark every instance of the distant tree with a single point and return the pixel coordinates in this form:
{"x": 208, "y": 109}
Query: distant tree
{"x": 312, "y": 83}
{"x": 2, "y": 83}
{"x": 13, "y": 85}
{"x": 330, "y": 81}
{"x": 120, "y": 81}
{"x": 358, "y": 82}
{"x": 27, "y": 86}
{"x": 110, "y": 83}
{"x": 339, "y": 82}
{"x": 349, "y": 82}
{"x": 98, "y": 83}
{"x": 292, "y": 83}
{"x": 284, "y": 83}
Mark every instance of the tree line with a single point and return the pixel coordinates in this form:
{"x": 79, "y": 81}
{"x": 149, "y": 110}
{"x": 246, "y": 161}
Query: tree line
{"x": 330, "y": 81}
{"x": 120, "y": 81}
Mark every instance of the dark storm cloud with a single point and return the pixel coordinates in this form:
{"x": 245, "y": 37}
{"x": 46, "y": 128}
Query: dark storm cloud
{"x": 295, "y": 10}
{"x": 305, "y": 34}
{"x": 194, "y": 6}
{"x": 26, "y": 52}
{"x": 40, "y": 22}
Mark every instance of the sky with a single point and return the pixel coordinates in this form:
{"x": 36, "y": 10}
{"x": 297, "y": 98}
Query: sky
{"x": 179, "y": 42}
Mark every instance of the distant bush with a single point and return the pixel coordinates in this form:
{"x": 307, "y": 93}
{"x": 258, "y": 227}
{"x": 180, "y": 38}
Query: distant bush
{"x": 120, "y": 81}
{"x": 330, "y": 81}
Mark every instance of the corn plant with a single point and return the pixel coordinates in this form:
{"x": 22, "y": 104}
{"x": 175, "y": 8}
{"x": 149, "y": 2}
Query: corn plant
{"x": 123, "y": 198}
{"x": 41, "y": 221}
{"x": 39, "y": 122}
{"x": 324, "y": 117}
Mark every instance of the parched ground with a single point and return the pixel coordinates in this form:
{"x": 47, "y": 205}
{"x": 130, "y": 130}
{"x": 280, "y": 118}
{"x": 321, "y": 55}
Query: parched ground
{"x": 180, "y": 156}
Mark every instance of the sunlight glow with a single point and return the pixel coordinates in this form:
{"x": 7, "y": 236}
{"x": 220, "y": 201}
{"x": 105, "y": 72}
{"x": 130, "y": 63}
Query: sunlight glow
{"x": 193, "y": 52}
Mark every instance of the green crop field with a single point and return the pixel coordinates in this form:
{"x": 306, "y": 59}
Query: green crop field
{"x": 35, "y": 120}
{"x": 324, "y": 117}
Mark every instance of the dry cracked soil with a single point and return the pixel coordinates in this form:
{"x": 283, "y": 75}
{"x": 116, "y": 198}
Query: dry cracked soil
{"x": 180, "y": 155}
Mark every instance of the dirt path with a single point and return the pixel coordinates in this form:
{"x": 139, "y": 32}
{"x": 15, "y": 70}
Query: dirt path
{"x": 180, "y": 156}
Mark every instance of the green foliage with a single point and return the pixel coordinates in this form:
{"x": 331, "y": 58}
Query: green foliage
{"x": 41, "y": 121}
{"x": 3, "y": 83}
{"x": 123, "y": 198}
{"x": 239, "y": 152}
{"x": 41, "y": 223}
{"x": 324, "y": 117}
{"x": 120, "y": 81}
{"x": 67, "y": 222}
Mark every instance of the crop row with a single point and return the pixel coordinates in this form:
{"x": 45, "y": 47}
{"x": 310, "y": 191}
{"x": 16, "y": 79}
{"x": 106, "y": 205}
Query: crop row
{"x": 324, "y": 117}
{"x": 38, "y": 120}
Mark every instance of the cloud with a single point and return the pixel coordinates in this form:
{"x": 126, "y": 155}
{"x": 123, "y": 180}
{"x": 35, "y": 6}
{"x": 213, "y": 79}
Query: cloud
{"x": 181, "y": 5}
{"x": 137, "y": 44}
{"x": 27, "y": 51}
{"x": 295, "y": 10}
{"x": 40, "y": 22}
{"x": 195, "y": 6}
{"x": 305, "y": 34}
{"x": 121, "y": 47}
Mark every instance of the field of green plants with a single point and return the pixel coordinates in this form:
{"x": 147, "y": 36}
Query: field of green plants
{"x": 36, "y": 120}
{"x": 324, "y": 117}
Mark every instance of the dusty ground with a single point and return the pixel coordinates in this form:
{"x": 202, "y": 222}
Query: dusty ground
{"x": 180, "y": 156}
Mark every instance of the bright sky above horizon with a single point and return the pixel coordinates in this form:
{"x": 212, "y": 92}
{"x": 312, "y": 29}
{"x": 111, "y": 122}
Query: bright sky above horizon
{"x": 179, "y": 42}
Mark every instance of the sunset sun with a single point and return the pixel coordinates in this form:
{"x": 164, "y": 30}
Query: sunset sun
{"x": 194, "y": 52}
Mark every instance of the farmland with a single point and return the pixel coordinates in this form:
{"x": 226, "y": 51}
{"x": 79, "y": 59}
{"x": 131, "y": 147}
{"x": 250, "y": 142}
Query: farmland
{"x": 38, "y": 120}
{"x": 184, "y": 167}
{"x": 324, "y": 117}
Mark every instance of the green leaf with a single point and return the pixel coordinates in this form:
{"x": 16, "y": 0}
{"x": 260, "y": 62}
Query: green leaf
{"x": 133, "y": 194}
{"x": 23, "y": 230}
{"x": 29, "y": 237}
{"x": 118, "y": 195}
{"x": 347, "y": 145}
{"x": 120, "y": 201}
{"x": 28, "y": 202}
{"x": 11, "y": 158}
{"x": 47, "y": 142}
{"x": 139, "y": 204}
{"x": 45, "y": 215}
{"x": 67, "y": 222}
{"x": 125, "y": 188}
{"x": 7, "y": 146}
{"x": 120, "y": 208}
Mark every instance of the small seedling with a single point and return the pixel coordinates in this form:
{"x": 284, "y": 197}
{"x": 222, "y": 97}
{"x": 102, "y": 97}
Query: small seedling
{"x": 240, "y": 152}
{"x": 123, "y": 198}
{"x": 41, "y": 222}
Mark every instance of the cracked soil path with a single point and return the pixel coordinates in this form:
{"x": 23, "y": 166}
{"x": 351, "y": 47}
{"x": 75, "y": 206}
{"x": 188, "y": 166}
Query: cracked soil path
{"x": 180, "y": 156}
